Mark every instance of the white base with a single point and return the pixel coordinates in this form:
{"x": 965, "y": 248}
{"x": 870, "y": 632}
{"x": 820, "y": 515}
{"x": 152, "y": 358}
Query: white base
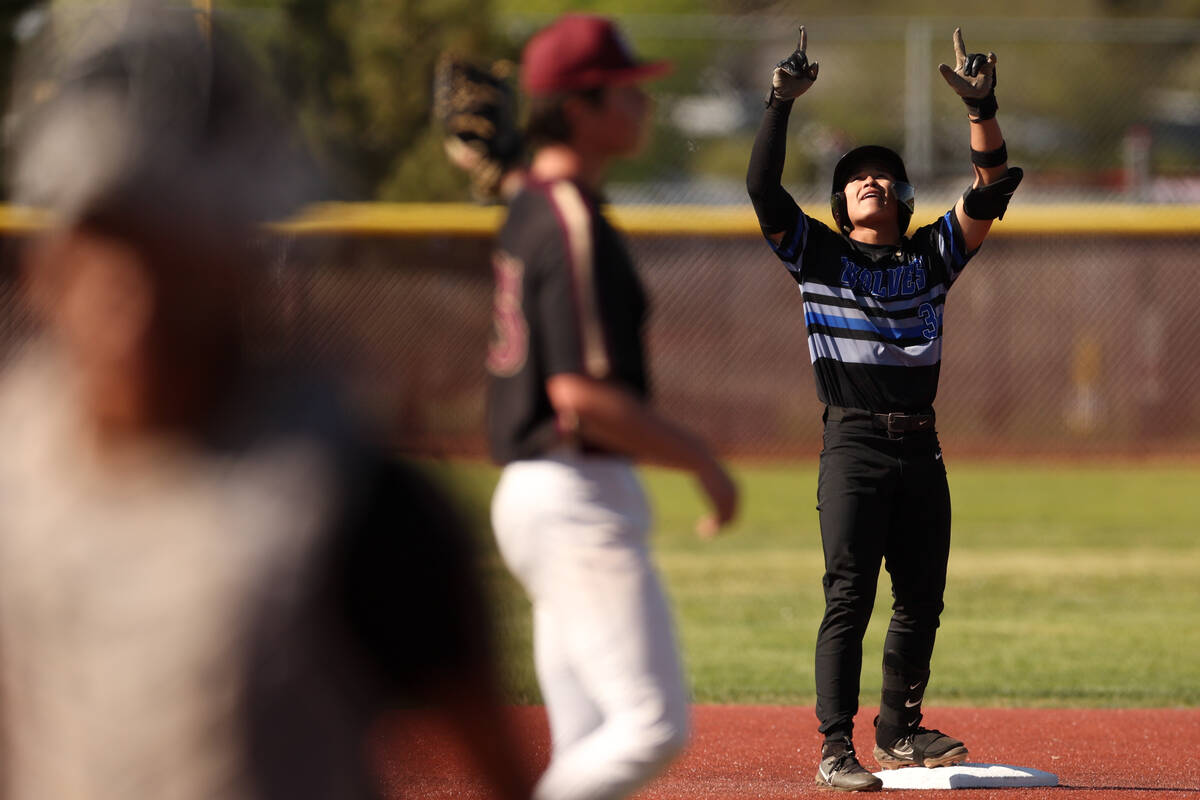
{"x": 966, "y": 776}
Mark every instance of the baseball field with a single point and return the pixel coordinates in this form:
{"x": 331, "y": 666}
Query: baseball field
{"x": 1069, "y": 643}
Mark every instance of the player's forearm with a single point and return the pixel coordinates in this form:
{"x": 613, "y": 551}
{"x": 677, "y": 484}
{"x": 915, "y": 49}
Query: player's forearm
{"x": 611, "y": 417}
{"x": 979, "y": 206}
{"x": 775, "y": 208}
{"x": 986, "y": 137}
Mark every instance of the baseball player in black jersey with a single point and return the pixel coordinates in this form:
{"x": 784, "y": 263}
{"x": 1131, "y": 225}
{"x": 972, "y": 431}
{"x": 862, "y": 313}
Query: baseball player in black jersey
{"x": 568, "y": 416}
{"x": 873, "y": 301}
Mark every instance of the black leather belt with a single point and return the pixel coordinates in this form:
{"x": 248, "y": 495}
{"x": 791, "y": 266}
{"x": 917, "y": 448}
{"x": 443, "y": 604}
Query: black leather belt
{"x": 895, "y": 422}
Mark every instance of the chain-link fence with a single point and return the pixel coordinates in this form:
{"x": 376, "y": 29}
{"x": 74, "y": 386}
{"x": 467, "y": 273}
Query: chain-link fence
{"x": 1054, "y": 344}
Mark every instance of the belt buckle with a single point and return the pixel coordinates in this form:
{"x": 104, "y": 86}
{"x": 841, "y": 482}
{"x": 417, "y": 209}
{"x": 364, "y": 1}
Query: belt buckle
{"x": 893, "y": 420}
{"x": 899, "y": 423}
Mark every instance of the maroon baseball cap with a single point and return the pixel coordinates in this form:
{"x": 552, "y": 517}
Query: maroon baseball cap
{"x": 582, "y": 51}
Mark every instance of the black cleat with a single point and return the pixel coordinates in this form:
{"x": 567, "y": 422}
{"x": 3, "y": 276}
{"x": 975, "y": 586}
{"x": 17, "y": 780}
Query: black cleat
{"x": 921, "y": 748}
{"x": 839, "y": 769}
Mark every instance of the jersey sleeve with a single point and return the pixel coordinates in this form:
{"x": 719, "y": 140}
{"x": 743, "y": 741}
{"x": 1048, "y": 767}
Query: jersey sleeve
{"x": 800, "y": 241}
{"x": 943, "y": 245}
{"x": 572, "y": 338}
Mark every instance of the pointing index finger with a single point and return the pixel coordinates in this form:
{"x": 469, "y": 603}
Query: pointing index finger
{"x": 803, "y": 40}
{"x": 960, "y": 49}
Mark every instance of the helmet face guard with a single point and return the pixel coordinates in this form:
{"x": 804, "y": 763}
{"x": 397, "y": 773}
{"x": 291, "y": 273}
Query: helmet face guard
{"x": 902, "y": 191}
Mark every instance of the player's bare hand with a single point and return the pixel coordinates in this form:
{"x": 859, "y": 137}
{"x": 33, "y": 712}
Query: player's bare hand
{"x": 794, "y": 75}
{"x": 973, "y": 76}
{"x": 722, "y": 495}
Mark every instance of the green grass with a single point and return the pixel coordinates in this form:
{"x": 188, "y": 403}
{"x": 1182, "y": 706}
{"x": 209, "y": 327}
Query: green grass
{"x": 1069, "y": 586}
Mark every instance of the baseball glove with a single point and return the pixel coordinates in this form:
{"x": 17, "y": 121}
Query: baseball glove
{"x": 476, "y": 109}
{"x": 973, "y": 77}
{"x": 794, "y": 75}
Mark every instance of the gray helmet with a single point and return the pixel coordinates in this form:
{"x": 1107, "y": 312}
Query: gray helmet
{"x": 890, "y": 160}
{"x": 140, "y": 108}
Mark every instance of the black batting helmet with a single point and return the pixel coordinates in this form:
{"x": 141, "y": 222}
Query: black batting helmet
{"x": 889, "y": 160}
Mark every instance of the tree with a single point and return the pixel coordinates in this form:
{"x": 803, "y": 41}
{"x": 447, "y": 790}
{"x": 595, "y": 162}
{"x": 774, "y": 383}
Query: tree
{"x": 359, "y": 75}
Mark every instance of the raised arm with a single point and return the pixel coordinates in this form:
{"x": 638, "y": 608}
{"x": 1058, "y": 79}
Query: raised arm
{"x": 974, "y": 79}
{"x": 776, "y": 210}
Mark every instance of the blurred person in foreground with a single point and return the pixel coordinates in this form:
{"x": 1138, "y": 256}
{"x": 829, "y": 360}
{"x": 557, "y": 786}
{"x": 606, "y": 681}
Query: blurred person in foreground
{"x": 211, "y": 584}
{"x": 873, "y": 299}
{"x": 568, "y": 416}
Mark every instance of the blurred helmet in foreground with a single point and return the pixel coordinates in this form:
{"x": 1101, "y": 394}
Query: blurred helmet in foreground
{"x": 149, "y": 110}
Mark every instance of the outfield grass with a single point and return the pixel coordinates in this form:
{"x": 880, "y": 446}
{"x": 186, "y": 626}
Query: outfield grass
{"x": 1069, "y": 586}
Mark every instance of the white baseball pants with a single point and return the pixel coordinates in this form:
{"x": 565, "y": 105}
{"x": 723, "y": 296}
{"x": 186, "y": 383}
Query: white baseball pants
{"x": 573, "y": 530}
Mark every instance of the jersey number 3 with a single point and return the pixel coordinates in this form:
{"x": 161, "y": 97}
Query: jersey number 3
{"x": 929, "y": 315}
{"x": 510, "y": 332}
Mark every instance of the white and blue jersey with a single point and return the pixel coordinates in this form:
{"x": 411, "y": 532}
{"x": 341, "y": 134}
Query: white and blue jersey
{"x": 874, "y": 312}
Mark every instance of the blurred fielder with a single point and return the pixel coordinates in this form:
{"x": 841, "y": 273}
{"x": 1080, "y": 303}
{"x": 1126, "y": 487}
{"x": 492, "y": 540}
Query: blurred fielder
{"x": 873, "y": 301}
{"x": 210, "y": 583}
{"x": 568, "y": 412}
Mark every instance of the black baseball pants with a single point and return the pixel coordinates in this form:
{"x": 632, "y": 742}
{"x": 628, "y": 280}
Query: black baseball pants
{"x": 882, "y": 499}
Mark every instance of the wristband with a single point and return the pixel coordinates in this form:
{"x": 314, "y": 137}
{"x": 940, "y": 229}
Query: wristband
{"x": 982, "y": 108}
{"x": 775, "y": 101}
{"x": 990, "y": 158}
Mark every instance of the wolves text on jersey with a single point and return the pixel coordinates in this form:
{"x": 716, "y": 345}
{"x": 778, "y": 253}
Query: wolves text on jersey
{"x": 899, "y": 281}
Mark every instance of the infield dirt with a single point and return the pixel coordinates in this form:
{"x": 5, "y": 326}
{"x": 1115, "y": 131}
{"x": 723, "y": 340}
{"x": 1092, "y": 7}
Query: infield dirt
{"x": 769, "y": 752}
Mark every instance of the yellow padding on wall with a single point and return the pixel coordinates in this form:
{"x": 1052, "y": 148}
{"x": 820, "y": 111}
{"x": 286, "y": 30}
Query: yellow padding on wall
{"x": 1094, "y": 219}
{"x": 465, "y": 219}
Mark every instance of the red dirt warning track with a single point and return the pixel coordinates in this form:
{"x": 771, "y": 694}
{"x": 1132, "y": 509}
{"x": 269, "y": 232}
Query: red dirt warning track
{"x": 769, "y": 753}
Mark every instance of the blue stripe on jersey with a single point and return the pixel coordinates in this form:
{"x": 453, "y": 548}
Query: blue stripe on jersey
{"x": 887, "y": 331}
{"x": 792, "y": 248}
{"x": 947, "y": 243}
